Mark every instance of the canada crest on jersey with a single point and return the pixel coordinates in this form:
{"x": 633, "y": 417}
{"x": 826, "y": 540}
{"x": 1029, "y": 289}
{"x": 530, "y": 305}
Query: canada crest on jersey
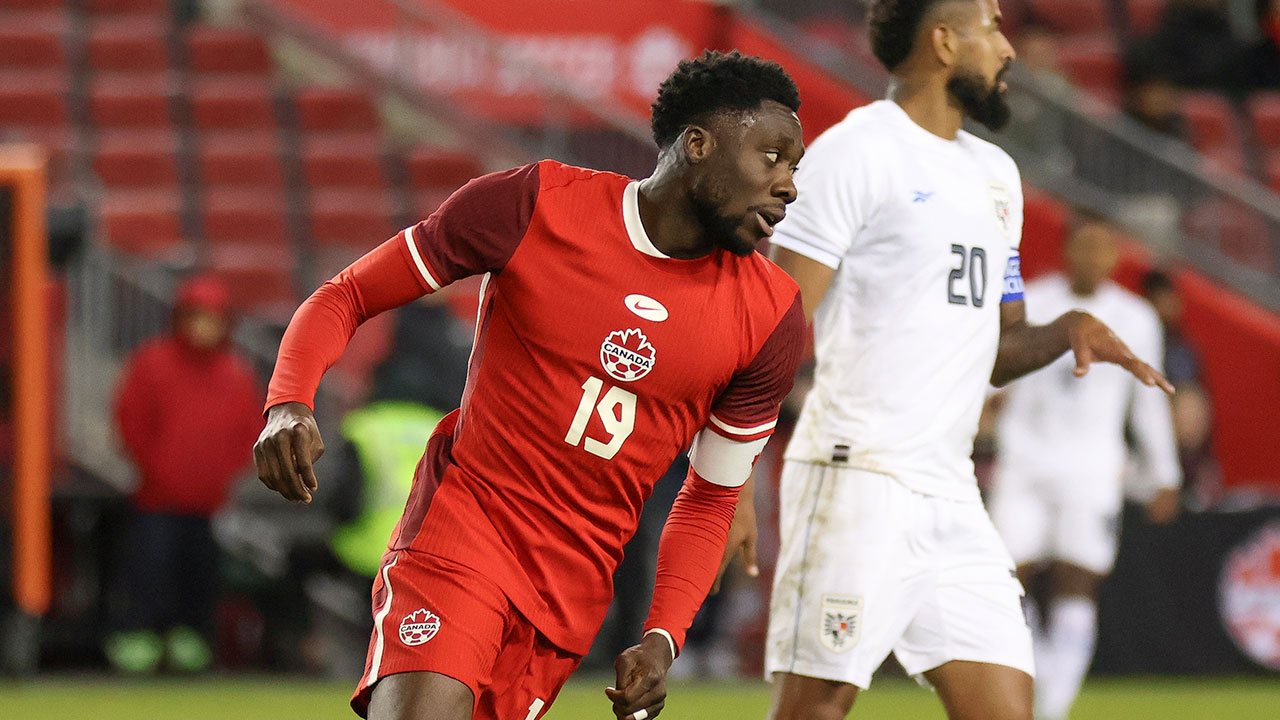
{"x": 841, "y": 622}
{"x": 419, "y": 626}
{"x": 1249, "y": 596}
{"x": 627, "y": 355}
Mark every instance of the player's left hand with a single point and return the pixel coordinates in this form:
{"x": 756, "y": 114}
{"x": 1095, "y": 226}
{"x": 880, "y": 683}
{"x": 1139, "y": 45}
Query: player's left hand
{"x": 640, "y": 691}
{"x": 1092, "y": 341}
{"x": 743, "y": 535}
{"x": 1163, "y": 508}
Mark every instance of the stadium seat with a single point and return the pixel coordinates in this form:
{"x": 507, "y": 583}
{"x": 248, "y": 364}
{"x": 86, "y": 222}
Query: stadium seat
{"x": 127, "y": 7}
{"x": 1264, "y": 110}
{"x": 266, "y": 290}
{"x": 1144, "y": 15}
{"x": 238, "y": 215}
{"x": 222, "y": 103}
{"x": 33, "y": 43}
{"x": 33, "y": 98}
{"x": 1210, "y": 120}
{"x": 332, "y": 160}
{"x": 35, "y": 5}
{"x": 1273, "y": 169}
{"x": 1072, "y": 17}
{"x": 136, "y": 159}
{"x": 128, "y": 44}
{"x": 131, "y": 100}
{"x": 143, "y": 222}
{"x": 1044, "y": 233}
{"x": 218, "y": 50}
{"x": 323, "y": 109}
{"x": 436, "y": 169}
{"x": 239, "y": 159}
{"x": 1092, "y": 63}
{"x": 358, "y": 219}
{"x": 1236, "y": 230}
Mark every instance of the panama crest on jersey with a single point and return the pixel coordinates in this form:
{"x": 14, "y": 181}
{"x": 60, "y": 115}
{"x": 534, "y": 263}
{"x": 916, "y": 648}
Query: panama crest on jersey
{"x": 627, "y": 355}
{"x": 841, "y": 622}
{"x": 419, "y": 626}
{"x": 1003, "y": 207}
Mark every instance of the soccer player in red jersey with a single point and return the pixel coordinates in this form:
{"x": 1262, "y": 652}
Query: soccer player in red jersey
{"x": 620, "y": 322}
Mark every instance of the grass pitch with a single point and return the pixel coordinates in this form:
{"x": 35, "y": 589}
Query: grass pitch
{"x": 268, "y": 698}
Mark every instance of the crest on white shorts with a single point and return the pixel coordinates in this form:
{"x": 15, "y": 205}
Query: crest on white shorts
{"x": 841, "y": 622}
{"x": 419, "y": 626}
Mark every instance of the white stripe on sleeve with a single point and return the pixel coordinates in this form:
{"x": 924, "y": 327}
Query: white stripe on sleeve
{"x": 417, "y": 259}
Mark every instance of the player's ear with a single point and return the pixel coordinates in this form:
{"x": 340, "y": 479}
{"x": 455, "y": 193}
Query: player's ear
{"x": 945, "y": 44}
{"x": 698, "y": 143}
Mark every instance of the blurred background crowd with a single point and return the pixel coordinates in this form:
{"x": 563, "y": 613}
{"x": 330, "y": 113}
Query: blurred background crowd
{"x": 208, "y": 164}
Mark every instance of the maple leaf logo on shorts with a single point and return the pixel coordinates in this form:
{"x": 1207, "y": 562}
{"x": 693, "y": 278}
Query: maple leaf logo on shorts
{"x": 419, "y": 626}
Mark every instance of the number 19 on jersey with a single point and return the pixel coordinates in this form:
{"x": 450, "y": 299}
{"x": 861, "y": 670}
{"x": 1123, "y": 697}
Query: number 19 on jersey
{"x": 617, "y": 411}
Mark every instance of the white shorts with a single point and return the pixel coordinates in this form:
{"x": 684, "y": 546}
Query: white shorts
{"x": 868, "y": 566}
{"x": 1043, "y": 520}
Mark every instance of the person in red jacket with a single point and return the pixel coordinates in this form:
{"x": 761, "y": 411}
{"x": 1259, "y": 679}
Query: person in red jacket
{"x": 187, "y": 410}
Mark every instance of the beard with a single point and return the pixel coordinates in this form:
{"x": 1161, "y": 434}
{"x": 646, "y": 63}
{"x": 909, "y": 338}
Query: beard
{"x": 985, "y": 104}
{"x": 719, "y": 228}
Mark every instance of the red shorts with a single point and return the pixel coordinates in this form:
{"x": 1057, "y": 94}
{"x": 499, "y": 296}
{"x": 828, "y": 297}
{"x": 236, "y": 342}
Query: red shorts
{"x": 432, "y": 614}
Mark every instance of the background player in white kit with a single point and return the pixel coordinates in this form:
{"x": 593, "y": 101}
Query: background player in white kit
{"x": 904, "y": 228}
{"x": 1058, "y": 485}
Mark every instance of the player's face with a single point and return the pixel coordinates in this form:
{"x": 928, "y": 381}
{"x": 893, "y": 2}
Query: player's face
{"x": 984, "y": 56}
{"x": 1092, "y": 254}
{"x": 747, "y": 182}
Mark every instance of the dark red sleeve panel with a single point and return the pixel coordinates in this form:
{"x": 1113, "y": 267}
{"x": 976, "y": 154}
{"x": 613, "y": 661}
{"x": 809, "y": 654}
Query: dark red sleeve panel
{"x": 325, "y": 322}
{"x": 477, "y": 229}
{"x": 748, "y": 408}
{"x": 689, "y": 554}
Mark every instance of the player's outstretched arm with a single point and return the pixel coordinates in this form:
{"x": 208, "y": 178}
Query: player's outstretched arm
{"x": 287, "y": 450}
{"x": 1025, "y": 348}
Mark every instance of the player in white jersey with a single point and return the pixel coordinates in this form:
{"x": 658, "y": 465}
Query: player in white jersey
{"x": 1062, "y": 455}
{"x": 904, "y": 243}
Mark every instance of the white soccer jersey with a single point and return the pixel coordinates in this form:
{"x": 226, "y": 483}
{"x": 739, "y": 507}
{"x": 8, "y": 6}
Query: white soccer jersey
{"x": 922, "y": 232}
{"x": 1069, "y": 431}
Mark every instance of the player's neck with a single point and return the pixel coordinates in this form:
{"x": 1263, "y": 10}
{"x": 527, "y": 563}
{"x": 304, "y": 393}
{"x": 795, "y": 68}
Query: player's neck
{"x": 929, "y": 105}
{"x": 668, "y": 219}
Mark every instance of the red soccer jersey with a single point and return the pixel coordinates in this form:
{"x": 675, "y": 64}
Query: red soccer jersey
{"x": 596, "y": 361}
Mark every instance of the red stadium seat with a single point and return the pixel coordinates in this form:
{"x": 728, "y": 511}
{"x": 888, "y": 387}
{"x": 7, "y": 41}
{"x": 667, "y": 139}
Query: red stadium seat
{"x": 127, "y": 7}
{"x": 358, "y": 219}
{"x": 342, "y": 160}
{"x": 240, "y": 159}
{"x": 235, "y": 215}
{"x": 1273, "y": 169}
{"x": 143, "y": 222}
{"x": 1144, "y": 14}
{"x": 128, "y": 44}
{"x": 1072, "y": 17}
{"x": 437, "y": 169}
{"x": 36, "y": 98}
{"x": 131, "y": 100}
{"x": 137, "y": 159}
{"x": 34, "y": 4}
{"x": 1210, "y": 120}
{"x": 1264, "y": 110}
{"x": 33, "y": 43}
{"x": 1236, "y": 230}
{"x": 1092, "y": 63}
{"x": 336, "y": 109}
{"x": 262, "y": 289}
{"x": 217, "y": 50}
{"x": 221, "y": 103}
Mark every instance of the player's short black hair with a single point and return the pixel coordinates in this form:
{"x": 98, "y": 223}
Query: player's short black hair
{"x": 894, "y": 25}
{"x": 717, "y": 82}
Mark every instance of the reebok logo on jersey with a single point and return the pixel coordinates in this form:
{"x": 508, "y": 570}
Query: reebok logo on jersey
{"x": 627, "y": 355}
{"x": 419, "y": 626}
{"x": 921, "y": 196}
{"x": 646, "y": 307}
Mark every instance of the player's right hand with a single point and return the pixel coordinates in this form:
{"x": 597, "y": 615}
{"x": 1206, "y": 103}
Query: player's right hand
{"x": 286, "y": 451}
{"x": 640, "y": 691}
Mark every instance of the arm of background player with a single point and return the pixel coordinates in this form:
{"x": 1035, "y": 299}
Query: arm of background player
{"x": 812, "y": 276}
{"x": 1151, "y": 419}
{"x": 1025, "y": 348}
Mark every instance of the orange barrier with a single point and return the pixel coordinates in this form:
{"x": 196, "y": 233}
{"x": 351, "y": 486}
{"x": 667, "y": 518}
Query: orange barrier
{"x": 22, "y": 171}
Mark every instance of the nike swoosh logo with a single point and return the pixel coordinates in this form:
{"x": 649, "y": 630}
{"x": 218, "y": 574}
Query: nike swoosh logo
{"x": 646, "y": 307}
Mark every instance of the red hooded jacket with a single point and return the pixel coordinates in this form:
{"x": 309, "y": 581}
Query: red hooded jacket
{"x": 188, "y": 417}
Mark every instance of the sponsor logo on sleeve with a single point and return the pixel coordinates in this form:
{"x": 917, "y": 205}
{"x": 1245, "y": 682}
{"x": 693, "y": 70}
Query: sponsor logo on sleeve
{"x": 841, "y": 622}
{"x": 419, "y": 626}
{"x": 627, "y": 355}
{"x": 1013, "y": 287}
